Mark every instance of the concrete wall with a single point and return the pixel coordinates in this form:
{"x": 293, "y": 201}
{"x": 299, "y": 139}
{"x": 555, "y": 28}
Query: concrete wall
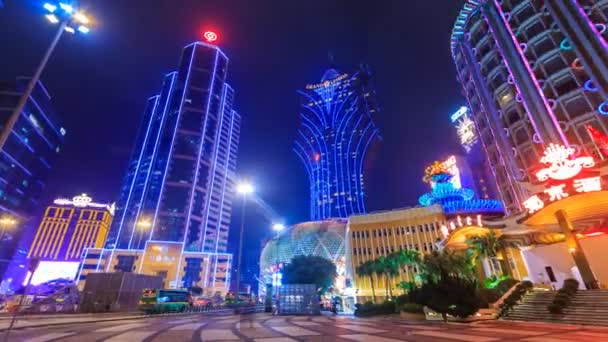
{"x": 559, "y": 259}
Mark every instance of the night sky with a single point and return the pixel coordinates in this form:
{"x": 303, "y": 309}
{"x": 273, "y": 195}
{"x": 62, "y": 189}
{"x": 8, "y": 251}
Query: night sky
{"x": 100, "y": 83}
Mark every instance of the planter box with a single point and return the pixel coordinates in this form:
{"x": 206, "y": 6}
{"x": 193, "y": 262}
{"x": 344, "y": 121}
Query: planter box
{"x": 412, "y": 316}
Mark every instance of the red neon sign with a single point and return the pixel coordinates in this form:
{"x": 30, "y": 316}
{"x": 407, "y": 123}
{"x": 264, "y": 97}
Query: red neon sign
{"x": 562, "y": 166}
{"x": 210, "y": 36}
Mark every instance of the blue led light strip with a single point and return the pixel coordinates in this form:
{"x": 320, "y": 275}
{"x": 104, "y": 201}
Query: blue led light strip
{"x": 135, "y": 176}
{"x": 198, "y": 160}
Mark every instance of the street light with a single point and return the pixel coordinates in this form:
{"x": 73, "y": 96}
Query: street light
{"x": 278, "y": 227}
{"x": 70, "y": 19}
{"x": 244, "y": 189}
{"x": 6, "y": 222}
{"x": 142, "y": 225}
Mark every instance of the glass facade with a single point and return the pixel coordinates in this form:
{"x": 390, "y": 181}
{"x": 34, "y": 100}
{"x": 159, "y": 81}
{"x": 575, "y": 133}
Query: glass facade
{"x": 335, "y": 134}
{"x": 26, "y": 158}
{"x": 181, "y": 175}
{"x": 534, "y": 72}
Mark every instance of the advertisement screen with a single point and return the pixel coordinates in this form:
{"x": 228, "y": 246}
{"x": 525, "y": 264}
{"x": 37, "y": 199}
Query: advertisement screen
{"x": 51, "y": 270}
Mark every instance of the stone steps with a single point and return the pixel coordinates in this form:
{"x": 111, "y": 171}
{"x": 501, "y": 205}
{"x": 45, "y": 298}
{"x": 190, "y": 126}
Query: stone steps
{"x": 587, "y": 307}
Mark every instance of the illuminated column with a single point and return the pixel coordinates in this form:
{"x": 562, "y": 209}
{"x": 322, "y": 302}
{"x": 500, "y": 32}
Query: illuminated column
{"x": 575, "y": 249}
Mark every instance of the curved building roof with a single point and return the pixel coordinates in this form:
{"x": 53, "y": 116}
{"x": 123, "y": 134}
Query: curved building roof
{"x": 326, "y": 239}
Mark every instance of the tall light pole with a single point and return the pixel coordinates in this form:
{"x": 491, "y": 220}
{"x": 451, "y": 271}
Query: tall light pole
{"x": 244, "y": 189}
{"x": 70, "y": 19}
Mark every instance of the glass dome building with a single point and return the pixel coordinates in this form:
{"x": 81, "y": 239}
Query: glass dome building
{"x": 326, "y": 239}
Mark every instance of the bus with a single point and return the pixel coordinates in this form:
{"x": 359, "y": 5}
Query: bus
{"x": 165, "y": 300}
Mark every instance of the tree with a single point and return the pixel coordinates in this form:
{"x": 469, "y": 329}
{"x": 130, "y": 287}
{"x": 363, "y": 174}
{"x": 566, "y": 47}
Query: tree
{"x": 449, "y": 284}
{"x": 408, "y": 257}
{"x": 389, "y": 267}
{"x": 450, "y": 294}
{"x": 367, "y": 269}
{"x": 310, "y": 270}
{"x": 435, "y": 264}
{"x": 487, "y": 247}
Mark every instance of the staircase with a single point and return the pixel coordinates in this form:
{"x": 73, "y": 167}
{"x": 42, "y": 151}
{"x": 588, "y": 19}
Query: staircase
{"x": 587, "y": 307}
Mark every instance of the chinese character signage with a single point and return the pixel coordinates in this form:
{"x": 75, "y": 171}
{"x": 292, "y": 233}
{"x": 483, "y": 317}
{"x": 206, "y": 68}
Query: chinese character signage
{"x": 564, "y": 175}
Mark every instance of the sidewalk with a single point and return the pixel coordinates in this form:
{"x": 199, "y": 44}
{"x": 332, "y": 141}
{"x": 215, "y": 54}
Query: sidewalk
{"x": 30, "y": 321}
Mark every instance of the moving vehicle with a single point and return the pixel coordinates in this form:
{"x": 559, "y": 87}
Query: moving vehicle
{"x": 165, "y": 300}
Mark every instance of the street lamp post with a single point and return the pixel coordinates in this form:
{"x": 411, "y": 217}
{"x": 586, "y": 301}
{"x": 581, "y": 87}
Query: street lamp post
{"x": 67, "y": 17}
{"x": 244, "y": 189}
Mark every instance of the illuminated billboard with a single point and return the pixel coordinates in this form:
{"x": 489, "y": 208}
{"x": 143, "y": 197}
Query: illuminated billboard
{"x": 465, "y": 128}
{"x": 52, "y": 270}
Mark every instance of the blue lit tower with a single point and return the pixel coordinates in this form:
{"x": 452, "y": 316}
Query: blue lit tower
{"x": 335, "y": 134}
{"x": 26, "y": 159}
{"x": 180, "y": 179}
{"x": 534, "y": 73}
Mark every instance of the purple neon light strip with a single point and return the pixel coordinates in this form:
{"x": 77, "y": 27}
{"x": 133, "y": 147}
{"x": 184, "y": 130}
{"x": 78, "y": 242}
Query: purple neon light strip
{"x": 532, "y": 76}
{"x": 511, "y": 74}
{"x": 591, "y": 24}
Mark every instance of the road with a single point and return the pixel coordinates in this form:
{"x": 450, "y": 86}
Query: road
{"x": 266, "y": 328}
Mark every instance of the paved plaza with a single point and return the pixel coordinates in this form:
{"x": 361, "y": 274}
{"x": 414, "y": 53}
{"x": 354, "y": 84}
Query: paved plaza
{"x": 266, "y": 328}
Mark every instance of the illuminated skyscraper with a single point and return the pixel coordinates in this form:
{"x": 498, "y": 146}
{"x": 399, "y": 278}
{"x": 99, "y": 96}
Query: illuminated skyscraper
{"x": 534, "y": 73}
{"x": 26, "y": 159}
{"x": 335, "y": 134}
{"x": 179, "y": 185}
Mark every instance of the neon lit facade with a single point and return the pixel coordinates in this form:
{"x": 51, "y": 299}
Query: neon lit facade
{"x": 562, "y": 175}
{"x": 336, "y": 131}
{"x": 534, "y": 73}
{"x": 181, "y": 176}
{"x": 68, "y": 227}
{"x": 26, "y": 159}
{"x": 445, "y": 180}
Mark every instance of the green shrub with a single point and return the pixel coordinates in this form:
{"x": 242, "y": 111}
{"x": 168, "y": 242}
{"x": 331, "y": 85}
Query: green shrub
{"x": 370, "y": 309}
{"x": 487, "y": 296}
{"x": 412, "y": 308}
{"x": 505, "y": 285}
{"x": 515, "y": 297}
{"x": 555, "y": 308}
{"x": 402, "y": 299}
{"x": 563, "y": 297}
{"x": 570, "y": 286}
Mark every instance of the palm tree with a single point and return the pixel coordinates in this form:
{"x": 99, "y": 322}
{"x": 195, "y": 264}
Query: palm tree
{"x": 389, "y": 267}
{"x": 405, "y": 258}
{"x": 487, "y": 247}
{"x": 437, "y": 264}
{"x": 367, "y": 269}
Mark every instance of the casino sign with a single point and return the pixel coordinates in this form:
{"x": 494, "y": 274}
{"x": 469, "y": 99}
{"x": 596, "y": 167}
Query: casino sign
{"x": 562, "y": 176}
